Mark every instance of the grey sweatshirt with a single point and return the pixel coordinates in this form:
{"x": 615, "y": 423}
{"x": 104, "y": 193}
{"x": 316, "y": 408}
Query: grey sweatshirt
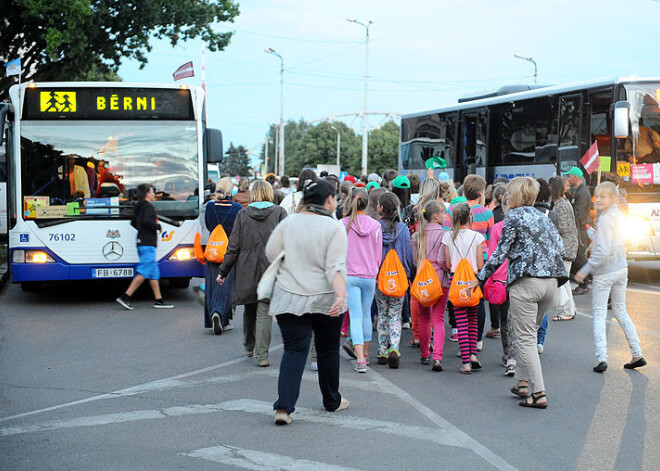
{"x": 609, "y": 252}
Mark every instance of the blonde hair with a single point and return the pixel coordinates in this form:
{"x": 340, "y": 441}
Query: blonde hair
{"x": 524, "y": 191}
{"x": 225, "y": 184}
{"x": 426, "y": 213}
{"x": 451, "y": 192}
{"x": 429, "y": 191}
{"x": 243, "y": 184}
{"x": 608, "y": 187}
{"x": 261, "y": 191}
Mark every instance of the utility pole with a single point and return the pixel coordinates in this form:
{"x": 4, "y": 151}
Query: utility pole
{"x": 338, "y": 144}
{"x": 365, "y": 125}
{"x": 270, "y": 50}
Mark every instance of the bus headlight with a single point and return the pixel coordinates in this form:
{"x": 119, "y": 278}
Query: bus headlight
{"x": 31, "y": 256}
{"x": 183, "y": 254}
{"x": 638, "y": 226}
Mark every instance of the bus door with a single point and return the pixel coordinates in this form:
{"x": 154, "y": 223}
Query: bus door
{"x": 473, "y": 141}
{"x": 570, "y": 123}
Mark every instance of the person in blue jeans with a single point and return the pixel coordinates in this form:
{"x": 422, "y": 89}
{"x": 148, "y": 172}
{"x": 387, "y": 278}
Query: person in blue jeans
{"x": 365, "y": 243}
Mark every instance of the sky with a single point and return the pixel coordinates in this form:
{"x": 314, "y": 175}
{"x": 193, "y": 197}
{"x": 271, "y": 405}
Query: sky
{"x": 422, "y": 55}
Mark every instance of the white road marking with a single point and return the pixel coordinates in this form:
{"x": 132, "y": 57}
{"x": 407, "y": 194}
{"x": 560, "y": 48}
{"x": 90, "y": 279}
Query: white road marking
{"x": 259, "y": 460}
{"x": 362, "y": 383}
{"x": 438, "y": 436}
{"x": 611, "y": 322}
{"x": 166, "y": 383}
{"x": 462, "y": 438}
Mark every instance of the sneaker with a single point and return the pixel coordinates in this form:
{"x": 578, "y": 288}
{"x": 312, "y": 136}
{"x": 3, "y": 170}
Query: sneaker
{"x": 540, "y": 348}
{"x": 600, "y": 367}
{"x": 343, "y": 405}
{"x": 348, "y": 348}
{"x": 405, "y": 325}
{"x": 383, "y": 360}
{"x": 424, "y": 360}
{"x": 510, "y": 368}
{"x": 263, "y": 363}
{"x": 437, "y": 365}
{"x": 453, "y": 338}
{"x": 217, "y": 328}
{"x": 314, "y": 366}
{"x": 480, "y": 345}
{"x": 125, "y": 301}
{"x": 228, "y": 327}
{"x": 161, "y": 304}
{"x": 282, "y": 418}
{"x": 393, "y": 360}
{"x": 361, "y": 367}
{"x": 580, "y": 290}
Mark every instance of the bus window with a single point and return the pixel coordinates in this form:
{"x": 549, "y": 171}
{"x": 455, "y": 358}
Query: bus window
{"x": 425, "y": 137}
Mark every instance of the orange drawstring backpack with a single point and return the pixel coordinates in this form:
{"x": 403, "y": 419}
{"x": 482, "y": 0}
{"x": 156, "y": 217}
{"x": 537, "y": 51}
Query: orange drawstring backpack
{"x": 392, "y": 279}
{"x": 460, "y": 295}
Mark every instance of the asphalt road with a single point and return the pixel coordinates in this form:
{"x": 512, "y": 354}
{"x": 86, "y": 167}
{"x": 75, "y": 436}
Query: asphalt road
{"x": 87, "y": 385}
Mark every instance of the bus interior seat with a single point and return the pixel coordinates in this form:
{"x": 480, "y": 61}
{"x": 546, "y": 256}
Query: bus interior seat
{"x": 108, "y": 190}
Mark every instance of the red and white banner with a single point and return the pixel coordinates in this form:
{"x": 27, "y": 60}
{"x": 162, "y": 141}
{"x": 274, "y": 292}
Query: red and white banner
{"x": 186, "y": 70}
{"x": 591, "y": 160}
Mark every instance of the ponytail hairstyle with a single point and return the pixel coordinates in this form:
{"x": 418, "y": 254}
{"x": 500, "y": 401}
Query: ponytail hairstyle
{"x": 358, "y": 200}
{"x": 460, "y": 216}
{"x": 390, "y": 213}
{"x": 430, "y": 209}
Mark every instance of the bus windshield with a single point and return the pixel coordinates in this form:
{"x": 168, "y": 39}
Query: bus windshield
{"x": 100, "y": 164}
{"x": 639, "y": 155}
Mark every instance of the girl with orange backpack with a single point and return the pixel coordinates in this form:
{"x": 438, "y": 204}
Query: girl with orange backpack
{"x": 464, "y": 251}
{"x": 392, "y": 279}
{"x": 428, "y": 244}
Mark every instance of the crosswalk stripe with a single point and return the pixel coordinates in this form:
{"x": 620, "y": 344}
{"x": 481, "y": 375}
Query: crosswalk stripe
{"x": 259, "y": 460}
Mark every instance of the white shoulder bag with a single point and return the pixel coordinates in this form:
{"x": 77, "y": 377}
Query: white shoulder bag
{"x": 266, "y": 285}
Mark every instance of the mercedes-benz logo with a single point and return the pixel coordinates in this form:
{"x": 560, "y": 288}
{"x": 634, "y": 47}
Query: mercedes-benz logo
{"x": 113, "y": 251}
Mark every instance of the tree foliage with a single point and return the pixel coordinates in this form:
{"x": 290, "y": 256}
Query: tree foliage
{"x": 308, "y": 145}
{"x": 87, "y": 39}
{"x": 236, "y": 162}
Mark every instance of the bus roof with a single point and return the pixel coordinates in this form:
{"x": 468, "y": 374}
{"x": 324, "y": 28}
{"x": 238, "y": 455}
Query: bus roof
{"x": 535, "y": 93}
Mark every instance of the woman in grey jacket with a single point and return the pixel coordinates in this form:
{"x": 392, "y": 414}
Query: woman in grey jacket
{"x": 609, "y": 267}
{"x": 569, "y": 235}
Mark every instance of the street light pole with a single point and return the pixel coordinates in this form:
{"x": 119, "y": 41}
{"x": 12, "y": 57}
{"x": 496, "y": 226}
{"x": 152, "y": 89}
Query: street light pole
{"x": 272, "y": 51}
{"x": 529, "y": 59}
{"x": 365, "y": 126}
{"x": 338, "y": 145}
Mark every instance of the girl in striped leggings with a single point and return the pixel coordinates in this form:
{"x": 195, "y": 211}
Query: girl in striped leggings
{"x": 460, "y": 243}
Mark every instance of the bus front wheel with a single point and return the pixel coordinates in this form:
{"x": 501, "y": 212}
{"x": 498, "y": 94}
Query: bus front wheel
{"x": 179, "y": 283}
{"x": 31, "y": 286}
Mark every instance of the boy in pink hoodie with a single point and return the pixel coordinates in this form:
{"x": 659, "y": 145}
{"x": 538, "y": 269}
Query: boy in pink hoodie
{"x": 365, "y": 242}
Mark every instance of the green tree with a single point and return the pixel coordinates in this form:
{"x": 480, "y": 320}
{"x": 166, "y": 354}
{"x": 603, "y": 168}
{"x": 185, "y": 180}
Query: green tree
{"x": 384, "y": 148}
{"x": 237, "y": 162}
{"x": 87, "y": 39}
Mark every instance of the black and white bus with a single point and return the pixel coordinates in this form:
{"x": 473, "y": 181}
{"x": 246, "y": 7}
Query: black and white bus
{"x": 541, "y": 131}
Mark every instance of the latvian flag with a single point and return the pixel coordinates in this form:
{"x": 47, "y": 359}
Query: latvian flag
{"x": 591, "y": 160}
{"x": 186, "y": 70}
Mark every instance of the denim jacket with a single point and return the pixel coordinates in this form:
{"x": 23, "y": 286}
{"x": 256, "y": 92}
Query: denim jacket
{"x": 531, "y": 243}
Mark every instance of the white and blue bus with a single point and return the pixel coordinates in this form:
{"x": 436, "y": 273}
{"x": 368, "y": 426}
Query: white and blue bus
{"x": 544, "y": 131}
{"x": 75, "y": 154}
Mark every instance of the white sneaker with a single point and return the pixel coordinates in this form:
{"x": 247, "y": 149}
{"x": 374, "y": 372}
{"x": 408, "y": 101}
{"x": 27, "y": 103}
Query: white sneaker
{"x": 510, "y": 370}
{"x": 540, "y": 347}
{"x": 480, "y": 345}
{"x": 282, "y": 418}
{"x": 406, "y": 326}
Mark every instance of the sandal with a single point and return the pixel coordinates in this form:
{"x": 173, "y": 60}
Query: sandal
{"x": 467, "y": 371}
{"x": 517, "y": 391}
{"x": 535, "y": 404}
{"x": 560, "y": 317}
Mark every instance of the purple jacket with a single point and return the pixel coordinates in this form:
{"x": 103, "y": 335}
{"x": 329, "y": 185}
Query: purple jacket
{"x": 435, "y": 251}
{"x": 365, "y": 247}
{"x": 401, "y": 245}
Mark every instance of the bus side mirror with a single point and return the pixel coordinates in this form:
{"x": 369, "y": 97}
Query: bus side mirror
{"x": 621, "y": 119}
{"x": 213, "y": 146}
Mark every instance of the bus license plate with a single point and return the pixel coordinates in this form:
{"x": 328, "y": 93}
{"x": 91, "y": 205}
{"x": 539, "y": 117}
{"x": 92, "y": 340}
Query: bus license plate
{"x": 112, "y": 273}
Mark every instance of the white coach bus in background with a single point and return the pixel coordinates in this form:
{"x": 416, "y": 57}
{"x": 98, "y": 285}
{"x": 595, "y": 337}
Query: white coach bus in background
{"x": 541, "y": 131}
